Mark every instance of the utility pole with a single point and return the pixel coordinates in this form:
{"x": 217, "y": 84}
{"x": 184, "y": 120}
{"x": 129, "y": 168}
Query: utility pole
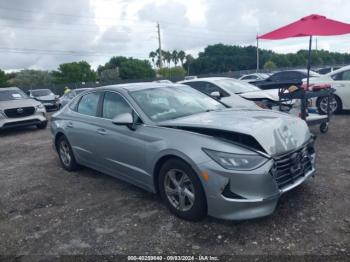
{"x": 160, "y": 47}
{"x": 257, "y": 54}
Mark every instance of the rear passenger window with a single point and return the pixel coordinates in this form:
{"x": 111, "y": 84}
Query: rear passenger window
{"x": 88, "y": 104}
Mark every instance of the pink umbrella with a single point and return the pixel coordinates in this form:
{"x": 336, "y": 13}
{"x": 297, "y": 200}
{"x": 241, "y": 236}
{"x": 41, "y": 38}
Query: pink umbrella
{"x": 312, "y": 25}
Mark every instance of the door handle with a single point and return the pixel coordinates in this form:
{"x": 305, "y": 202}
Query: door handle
{"x": 70, "y": 125}
{"x": 101, "y": 131}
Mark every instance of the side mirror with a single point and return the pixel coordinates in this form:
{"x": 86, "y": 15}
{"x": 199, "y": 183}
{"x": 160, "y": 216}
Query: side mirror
{"x": 123, "y": 119}
{"x": 215, "y": 95}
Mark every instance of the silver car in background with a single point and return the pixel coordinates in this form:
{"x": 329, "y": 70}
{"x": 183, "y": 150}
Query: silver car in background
{"x": 18, "y": 110}
{"x": 200, "y": 156}
{"x": 46, "y": 97}
{"x": 67, "y": 97}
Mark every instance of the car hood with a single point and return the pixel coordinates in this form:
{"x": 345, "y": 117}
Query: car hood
{"x": 46, "y": 98}
{"x": 276, "y": 132}
{"x": 18, "y": 103}
{"x": 262, "y": 94}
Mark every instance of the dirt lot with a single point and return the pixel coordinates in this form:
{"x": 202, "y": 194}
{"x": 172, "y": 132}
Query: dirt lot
{"x": 46, "y": 210}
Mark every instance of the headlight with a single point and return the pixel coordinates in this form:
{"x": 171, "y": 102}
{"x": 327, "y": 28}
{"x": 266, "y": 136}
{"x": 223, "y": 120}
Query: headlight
{"x": 2, "y": 115}
{"x": 40, "y": 106}
{"x": 235, "y": 161}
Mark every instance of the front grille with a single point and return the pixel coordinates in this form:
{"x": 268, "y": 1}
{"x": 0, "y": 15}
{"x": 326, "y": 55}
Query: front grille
{"x": 19, "y": 112}
{"x": 292, "y": 166}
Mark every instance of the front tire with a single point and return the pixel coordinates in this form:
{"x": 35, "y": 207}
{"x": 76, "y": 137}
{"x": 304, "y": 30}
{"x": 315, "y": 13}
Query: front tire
{"x": 66, "y": 155}
{"x": 335, "y": 105}
{"x": 182, "y": 191}
{"x": 42, "y": 125}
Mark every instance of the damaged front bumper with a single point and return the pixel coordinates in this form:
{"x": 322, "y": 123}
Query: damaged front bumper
{"x": 252, "y": 194}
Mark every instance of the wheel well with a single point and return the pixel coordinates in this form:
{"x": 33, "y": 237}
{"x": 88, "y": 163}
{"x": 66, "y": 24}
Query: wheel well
{"x": 58, "y": 136}
{"x": 159, "y": 165}
{"x": 336, "y": 96}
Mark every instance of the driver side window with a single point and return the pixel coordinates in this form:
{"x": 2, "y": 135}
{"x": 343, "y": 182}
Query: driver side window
{"x": 206, "y": 87}
{"x": 114, "y": 105}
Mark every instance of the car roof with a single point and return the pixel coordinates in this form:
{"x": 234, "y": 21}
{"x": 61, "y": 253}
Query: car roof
{"x": 39, "y": 90}
{"x": 208, "y": 79}
{"x": 82, "y": 89}
{"x": 138, "y": 86}
{"x": 344, "y": 68}
{"x": 9, "y": 88}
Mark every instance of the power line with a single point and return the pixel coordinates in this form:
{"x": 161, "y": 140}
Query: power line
{"x": 56, "y": 52}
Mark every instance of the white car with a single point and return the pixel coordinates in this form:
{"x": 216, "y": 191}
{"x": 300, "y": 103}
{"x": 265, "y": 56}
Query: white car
{"x": 340, "y": 81}
{"x": 225, "y": 89}
{"x": 253, "y": 77}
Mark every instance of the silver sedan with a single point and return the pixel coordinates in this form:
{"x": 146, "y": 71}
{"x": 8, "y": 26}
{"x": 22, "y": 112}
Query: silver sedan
{"x": 200, "y": 156}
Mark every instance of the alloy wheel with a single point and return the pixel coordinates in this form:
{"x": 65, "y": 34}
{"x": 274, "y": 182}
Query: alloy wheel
{"x": 333, "y": 105}
{"x": 65, "y": 153}
{"x": 179, "y": 190}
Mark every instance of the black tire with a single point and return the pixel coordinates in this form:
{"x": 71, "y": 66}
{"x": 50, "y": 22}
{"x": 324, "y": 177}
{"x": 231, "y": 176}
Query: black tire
{"x": 42, "y": 125}
{"x": 199, "y": 207}
{"x": 338, "y": 109}
{"x": 324, "y": 127}
{"x": 72, "y": 164}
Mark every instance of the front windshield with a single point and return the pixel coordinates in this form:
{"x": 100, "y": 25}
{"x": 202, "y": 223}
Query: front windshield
{"x": 166, "y": 103}
{"x": 235, "y": 86}
{"x": 6, "y": 95}
{"x": 41, "y": 92}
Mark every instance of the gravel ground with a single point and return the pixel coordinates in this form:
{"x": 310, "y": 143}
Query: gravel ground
{"x": 46, "y": 210}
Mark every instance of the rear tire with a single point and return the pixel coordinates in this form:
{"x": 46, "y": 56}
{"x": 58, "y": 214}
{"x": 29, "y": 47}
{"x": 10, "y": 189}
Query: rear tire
{"x": 182, "y": 191}
{"x": 336, "y": 103}
{"x": 66, "y": 155}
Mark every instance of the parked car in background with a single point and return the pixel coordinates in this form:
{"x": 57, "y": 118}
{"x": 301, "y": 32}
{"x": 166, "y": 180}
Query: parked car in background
{"x": 46, "y": 97}
{"x": 225, "y": 89}
{"x": 326, "y": 70}
{"x": 18, "y": 110}
{"x": 67, "y": 97}
{"x": 284, "y": 79}
{"x": 253, "y": 77}
{"x": 340, "y": 81}
{"x": 202, "y": 157}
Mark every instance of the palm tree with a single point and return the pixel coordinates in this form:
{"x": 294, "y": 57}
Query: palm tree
{"x": 175, "y": 57}
{"x": 189, "y": 61}
{"x": 167, "y": 56}
{"x": 181, "y": 55}
{"x": 153, "y": 55}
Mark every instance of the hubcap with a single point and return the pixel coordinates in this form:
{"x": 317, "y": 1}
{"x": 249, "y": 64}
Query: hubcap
{"x": 65, "y": 153}
{"x": 179, "y": 190}
{"x": 333, "y": 105}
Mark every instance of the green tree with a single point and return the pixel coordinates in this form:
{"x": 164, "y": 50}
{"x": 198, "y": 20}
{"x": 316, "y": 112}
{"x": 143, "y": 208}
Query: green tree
{"x": 3, "y": 79}
{"x": 152, "y": 56}
{"x": 270, "y": 65}
{"x": 74, "y": 72}
{"x": 175, "y": 57}
{"x": 108, "y": 75}
{"x": 189, "y": 61}
{"x": 32, "y": 78}
{"x": 167, "y": 57}
{"x": 136, "y": 69}
{"x": 182, "y": 55}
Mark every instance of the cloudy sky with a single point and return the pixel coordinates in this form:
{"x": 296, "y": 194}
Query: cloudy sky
{"x": 41, "y": 34}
